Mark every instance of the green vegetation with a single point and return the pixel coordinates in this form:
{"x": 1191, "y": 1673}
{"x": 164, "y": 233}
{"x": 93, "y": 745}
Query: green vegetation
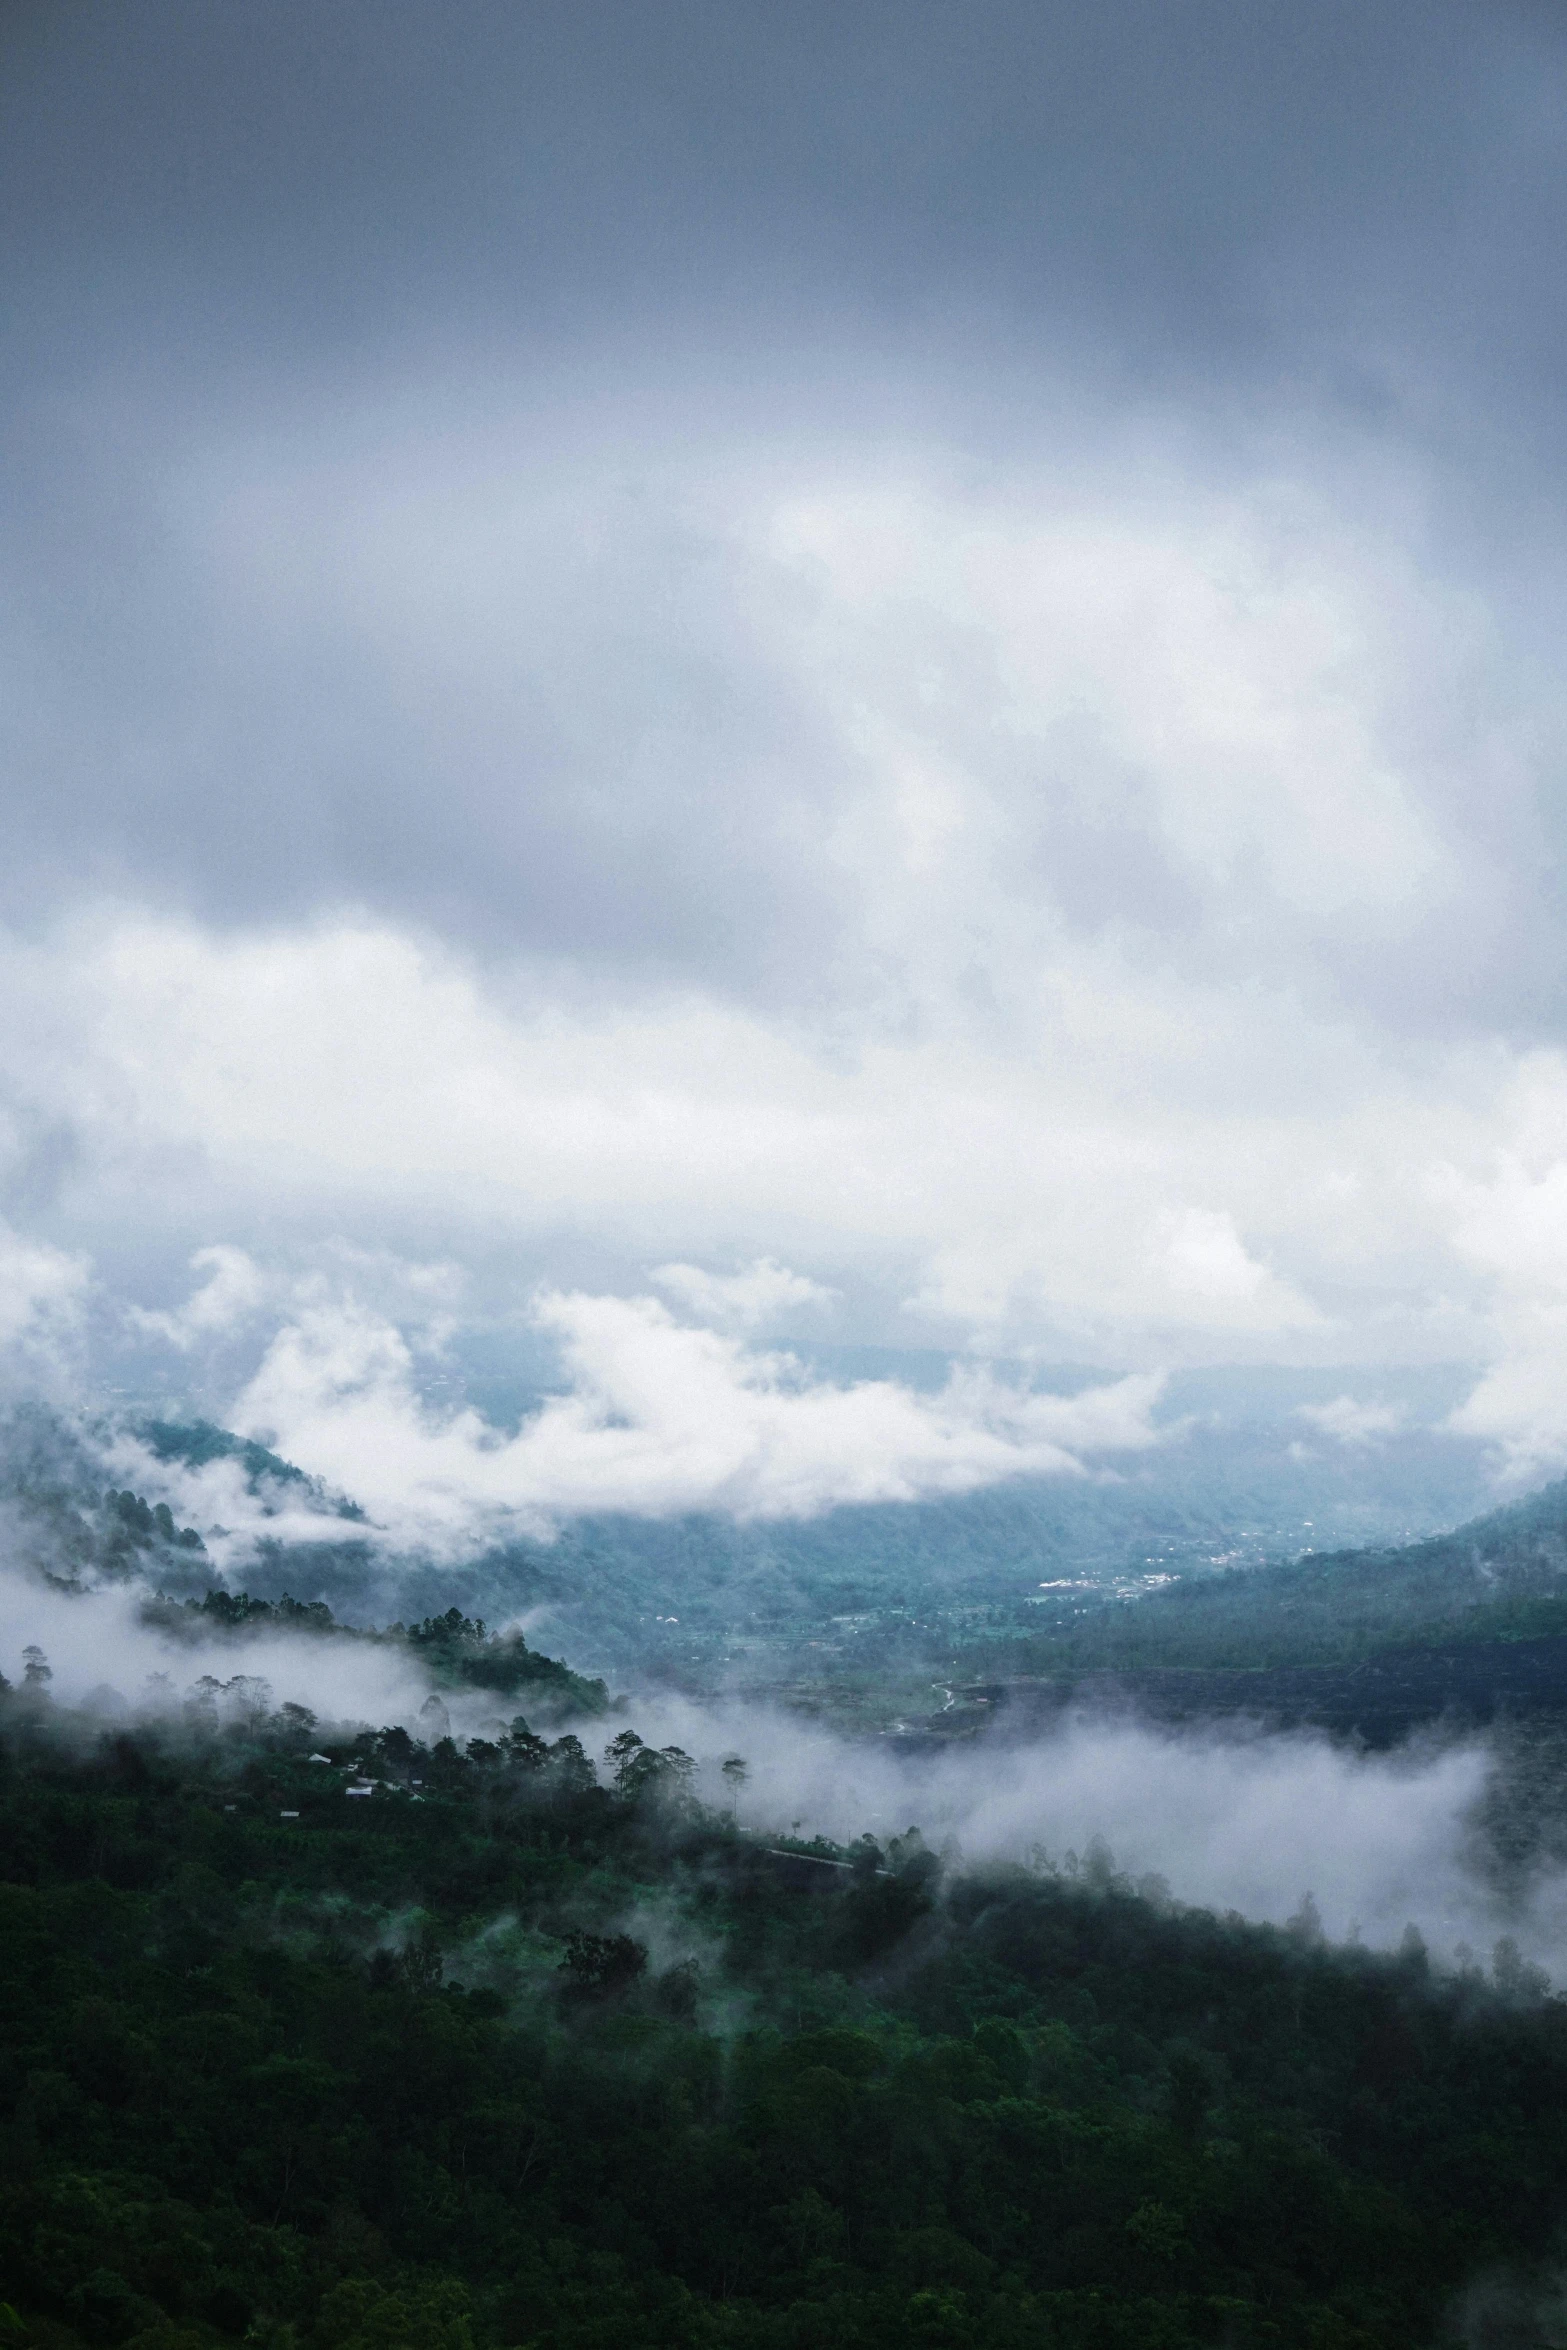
{"x": 1501, "y": 1577}
{"x": 459, "y": 1653}
{"x": 498, "y": 2054}
{"x": 1468, "y": 1627}
{"x": 196, "y": 1442}
{"x": 453, "y": 1651}
{"x": 330, "y": 2039}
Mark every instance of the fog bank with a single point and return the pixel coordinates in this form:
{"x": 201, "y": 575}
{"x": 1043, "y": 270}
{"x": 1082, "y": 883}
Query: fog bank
{"x": 1229, "y": 1820}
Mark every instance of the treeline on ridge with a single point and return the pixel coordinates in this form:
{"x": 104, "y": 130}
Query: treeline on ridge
{"x": 454, "y": 1651}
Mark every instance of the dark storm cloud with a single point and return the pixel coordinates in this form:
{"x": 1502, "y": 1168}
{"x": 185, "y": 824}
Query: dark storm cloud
{"x": 234, "y": 235}
{"x": 232, "y": 697}
{"x": 1193, "y": 169}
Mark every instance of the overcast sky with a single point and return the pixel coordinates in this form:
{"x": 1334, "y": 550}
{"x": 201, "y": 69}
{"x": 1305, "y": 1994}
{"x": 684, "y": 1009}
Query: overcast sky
{"x": 688, "y": 677}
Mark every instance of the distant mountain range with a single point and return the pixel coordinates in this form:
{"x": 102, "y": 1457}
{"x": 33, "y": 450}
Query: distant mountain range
{"x": 1467, "y": 1630}
{"x": 1156, "y": 1575}
{"x": 1500, "y": 1577}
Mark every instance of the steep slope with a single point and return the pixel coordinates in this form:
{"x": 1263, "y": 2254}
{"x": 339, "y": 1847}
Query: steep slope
{"x": 1500, "y": 1577}
{"x": 1467, "y": 1629}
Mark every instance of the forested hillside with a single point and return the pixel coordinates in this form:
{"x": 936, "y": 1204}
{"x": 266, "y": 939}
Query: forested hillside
{"x": 1500, "y": 1577}
{"x": 343, "y": 2041}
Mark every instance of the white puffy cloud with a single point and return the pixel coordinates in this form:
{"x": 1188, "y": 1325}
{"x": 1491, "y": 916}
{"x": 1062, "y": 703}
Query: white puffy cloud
{"x": 1042, "y": 818}
{"x": 1125, "y": 1175}
{"x": 1205, "y": 1259}
{"x": 230, "y": 1511}
{"x": 43, "y": 1294}
{"x": 1518, "y": 1406}
{"x": 656, "y": 1418}
{"x": 1202, "y": 690}
{"x": 763, "y": 1292}
{"x": 1249, "y": 1822}
{"x": 1349, "y": 1421}
{"x": 97, "y": 1640}
{"x": 1509, "y": 1223}
{"x": 232, "y": 1290}
{"x": 851, "y": 734}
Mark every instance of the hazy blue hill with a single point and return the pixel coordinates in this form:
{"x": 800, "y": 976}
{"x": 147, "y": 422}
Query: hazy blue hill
{"x": 1245, "y": 1474}
{"x": 1035, "y": 1576}
{"x": 1501, "y": 1577}
{"x": 196, "y": 1442}
{"x": 62, "y": 1517}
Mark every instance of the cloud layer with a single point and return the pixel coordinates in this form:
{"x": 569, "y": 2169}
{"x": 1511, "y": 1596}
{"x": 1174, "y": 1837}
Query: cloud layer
{"x": 921, "y": 652}
{"x": 659, "y": 1418}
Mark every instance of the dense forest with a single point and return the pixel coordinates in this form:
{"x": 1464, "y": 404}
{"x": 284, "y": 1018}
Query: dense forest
{"x": 328, "y": 2038}
{"x": 342, "y": 2040}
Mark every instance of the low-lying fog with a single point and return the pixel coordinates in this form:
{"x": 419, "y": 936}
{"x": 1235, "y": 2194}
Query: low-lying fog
{"x": 103, "y": 1656}
{"x": 1251, "y": 1823}
{"x": 1227, "y": 1820}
